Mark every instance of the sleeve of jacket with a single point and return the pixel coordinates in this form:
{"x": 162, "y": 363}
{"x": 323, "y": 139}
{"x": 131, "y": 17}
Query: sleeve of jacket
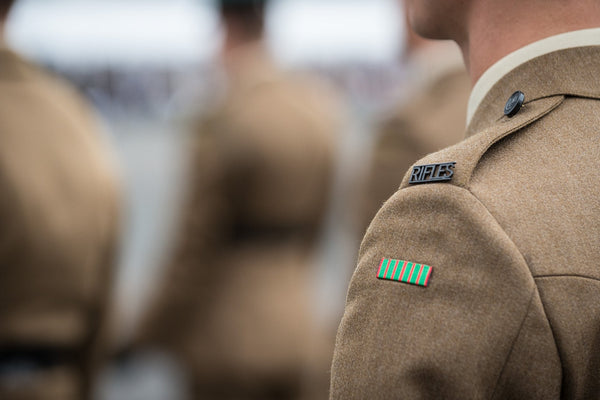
{"x": 477, "y": 331}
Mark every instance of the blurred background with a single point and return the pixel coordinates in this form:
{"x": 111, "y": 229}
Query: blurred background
{"x": 148, "y": 66}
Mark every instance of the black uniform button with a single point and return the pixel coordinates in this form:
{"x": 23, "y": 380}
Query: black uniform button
{"x": 514, "y": 104}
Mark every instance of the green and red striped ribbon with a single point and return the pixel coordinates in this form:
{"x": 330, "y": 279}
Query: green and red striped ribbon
{"x": 404, "y": 271}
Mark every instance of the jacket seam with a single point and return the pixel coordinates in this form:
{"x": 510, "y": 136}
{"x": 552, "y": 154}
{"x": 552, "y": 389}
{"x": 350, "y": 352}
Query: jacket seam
{"x": 534, "y": 290}
{"x": 512, "y": 347}
{"x": 577, "y": 276}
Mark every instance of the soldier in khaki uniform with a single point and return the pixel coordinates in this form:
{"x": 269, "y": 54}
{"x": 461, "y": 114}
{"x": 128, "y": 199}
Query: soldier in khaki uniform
{"x": 430, "y": 116}
{"x": 499, "y": 239}
{"x": 235, "y": 303}
{"x": 59, "y": 228}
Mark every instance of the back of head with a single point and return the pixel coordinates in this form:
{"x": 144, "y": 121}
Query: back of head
{"x": 5, "y": 7}
{"x": 246, "y": 15}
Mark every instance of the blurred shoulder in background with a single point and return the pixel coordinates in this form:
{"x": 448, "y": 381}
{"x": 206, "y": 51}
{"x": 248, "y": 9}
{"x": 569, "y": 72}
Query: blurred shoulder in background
{"x": 430, "y": 116}
{"x": 60, "y": 229}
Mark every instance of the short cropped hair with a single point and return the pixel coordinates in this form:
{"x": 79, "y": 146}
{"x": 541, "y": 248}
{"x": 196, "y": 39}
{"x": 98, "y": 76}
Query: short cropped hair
{"x": 250, "y": 12}
{"x": 5, "y": 7}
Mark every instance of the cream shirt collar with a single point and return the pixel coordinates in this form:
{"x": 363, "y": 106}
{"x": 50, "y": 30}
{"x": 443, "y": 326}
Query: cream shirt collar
{"x": 585, "y": 37}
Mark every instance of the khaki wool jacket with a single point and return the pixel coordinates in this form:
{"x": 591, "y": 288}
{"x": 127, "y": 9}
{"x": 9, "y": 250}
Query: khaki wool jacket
{"x": 59, "y": 213}
{"x": 235, "y": 302}
{"x": 512, "y": 307}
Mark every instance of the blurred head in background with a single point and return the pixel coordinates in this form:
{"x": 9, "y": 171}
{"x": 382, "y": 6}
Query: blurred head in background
{"x": 244, "y": 56}
{"x": 243, "y": 21}
{"x": 4, "y": 8}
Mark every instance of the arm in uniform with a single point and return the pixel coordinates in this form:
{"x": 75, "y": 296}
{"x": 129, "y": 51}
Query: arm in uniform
{"x": 478, "y": 329}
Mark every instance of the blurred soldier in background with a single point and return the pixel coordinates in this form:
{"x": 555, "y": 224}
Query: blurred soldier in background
{"x": 59, "y": 209}
{"x": 430, "y": 117}
{"x": 235, "y": 304}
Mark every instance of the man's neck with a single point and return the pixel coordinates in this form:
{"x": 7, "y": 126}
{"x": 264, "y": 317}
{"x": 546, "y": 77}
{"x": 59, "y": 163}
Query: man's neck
{"x": 494, "y": 31}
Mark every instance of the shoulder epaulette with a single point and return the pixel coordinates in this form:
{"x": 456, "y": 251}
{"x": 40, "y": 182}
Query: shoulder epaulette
{"x": 455, "y": 165}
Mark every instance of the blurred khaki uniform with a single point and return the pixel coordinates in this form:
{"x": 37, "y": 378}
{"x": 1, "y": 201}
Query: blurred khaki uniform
{"x": 236, "y": 301}
{"x": 429, "y": 119}
{"x": 59, "y": 220}
{"x": 512, "y": 308}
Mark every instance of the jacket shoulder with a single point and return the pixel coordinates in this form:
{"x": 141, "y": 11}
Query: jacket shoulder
{"x": 455, "y": 165}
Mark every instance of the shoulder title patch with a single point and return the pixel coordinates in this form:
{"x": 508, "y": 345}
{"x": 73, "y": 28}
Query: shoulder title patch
{"x": 432, "y": 173}
{"x": 404, "y": 271}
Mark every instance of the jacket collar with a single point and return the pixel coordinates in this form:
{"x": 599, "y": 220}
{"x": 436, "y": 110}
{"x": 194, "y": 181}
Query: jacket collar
{"x": 579, "y": 38}
{"x": 569, "y": 72}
